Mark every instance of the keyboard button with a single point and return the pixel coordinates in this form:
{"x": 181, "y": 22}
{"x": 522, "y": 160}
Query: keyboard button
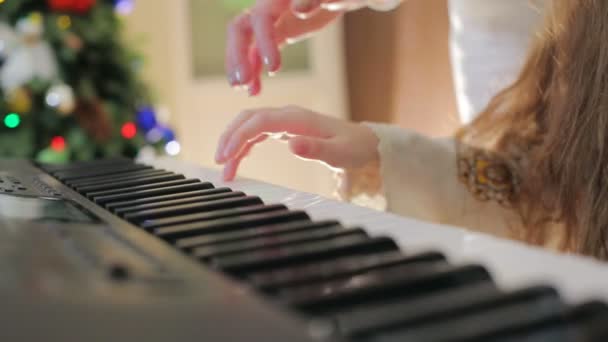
{"x": 258, "y": 261}
{"x": 227, "y": 224}
{"x": 171, "y": 203}
{"x": 133, "y": 195}
{"x": 380, "y": 284}
{"x": 334, "y": 269}
{"x": 263, "y": 231}
{"x": 154, "y": 199}
{"x": 128, "y": 183}
{"x": 269, "y": 242}
{"x": 241, "y": 210}
{"x": 185, "y": 209}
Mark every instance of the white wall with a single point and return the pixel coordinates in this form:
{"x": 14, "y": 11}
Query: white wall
{"x": 202, "y": 108}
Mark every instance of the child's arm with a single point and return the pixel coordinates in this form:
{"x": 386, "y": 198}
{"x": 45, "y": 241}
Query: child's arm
{"x": 417, "y": 175}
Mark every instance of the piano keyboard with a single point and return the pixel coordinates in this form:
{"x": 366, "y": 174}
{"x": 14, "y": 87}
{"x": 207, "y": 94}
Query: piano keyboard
{"x": 191, "y": 258}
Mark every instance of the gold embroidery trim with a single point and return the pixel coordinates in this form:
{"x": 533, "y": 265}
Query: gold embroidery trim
{"x": 487, "y": 175}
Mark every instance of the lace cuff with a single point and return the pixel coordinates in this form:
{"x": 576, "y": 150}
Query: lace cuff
{"x": 362, "y": 186}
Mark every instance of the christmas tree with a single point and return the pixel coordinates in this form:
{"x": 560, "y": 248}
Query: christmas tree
{"x": 69, "y": 86}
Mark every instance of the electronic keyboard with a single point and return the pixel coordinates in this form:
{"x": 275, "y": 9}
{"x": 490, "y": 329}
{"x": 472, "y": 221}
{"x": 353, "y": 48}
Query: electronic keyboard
{"x": 117, "y": 250}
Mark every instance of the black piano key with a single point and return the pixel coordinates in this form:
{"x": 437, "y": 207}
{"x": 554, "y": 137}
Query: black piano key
{"x": 263, "y": 231}
{"x": 244, "y": 263}
{"x": 85, "y": 164}
{"x": 334, "y": 269}
{"x": 214, "y": 215}
{"x": 65, "y": 176}
{"x": 112, "y": 206}
{"x": 380, "y": 284}
{"x": 116, "y": 178}
{"x": 490, "y": 324}
{"x": 133, "y": 195}
{"x": 170, "y": 203}
{"x": 368, "y": 320}
{"x": 125, "y": 184}
{"x": 274, "y": 241}
{"x": 227, "y": 224}
{"x": 586, "y": 322}
{"x": 191, "y": 208}
{"x": 590, "y": 320}
{"x": 137, "y": 188}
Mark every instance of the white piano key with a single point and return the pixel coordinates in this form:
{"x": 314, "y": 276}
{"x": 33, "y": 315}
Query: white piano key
{"x": 513, "y": 264}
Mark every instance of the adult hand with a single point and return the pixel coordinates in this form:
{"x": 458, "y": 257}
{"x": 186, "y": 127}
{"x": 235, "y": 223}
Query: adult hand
{"x": 255, "y": 37}
{"x": 312, "y": 136}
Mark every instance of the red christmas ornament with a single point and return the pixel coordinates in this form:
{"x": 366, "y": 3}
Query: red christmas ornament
{"x": 77, "y": 6}
{"x": 83, "y": 6}
{"x": 60, "y": 5}
{"x": 129, "y": 130}
{"x": 58, "y": 143}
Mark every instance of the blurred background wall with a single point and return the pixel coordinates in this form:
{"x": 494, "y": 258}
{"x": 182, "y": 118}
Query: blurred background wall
{"x": 389, "y": 67}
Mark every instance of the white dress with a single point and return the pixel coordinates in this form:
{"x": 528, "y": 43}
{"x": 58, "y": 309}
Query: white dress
{"x": 489, "y": 40}
{"x": 488, "y": 44}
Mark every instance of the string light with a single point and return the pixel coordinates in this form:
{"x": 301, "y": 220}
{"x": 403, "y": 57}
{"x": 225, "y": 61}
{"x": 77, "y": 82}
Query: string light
{"x": 124, "y": 7}
{"x": 146, "y": 118}
{"x": 128, "y": 130}
{"x": 58, "y": 143}
{"x": 173, "y": 148}
{"x": 12, "y": 120}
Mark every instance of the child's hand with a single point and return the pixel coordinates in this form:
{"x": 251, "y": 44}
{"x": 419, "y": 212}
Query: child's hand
{"x": 255, "y": 36}
{"x": 313, "y": 136}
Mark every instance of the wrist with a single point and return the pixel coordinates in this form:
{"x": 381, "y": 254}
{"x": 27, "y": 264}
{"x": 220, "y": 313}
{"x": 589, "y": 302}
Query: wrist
{"x": 369, "y": 142}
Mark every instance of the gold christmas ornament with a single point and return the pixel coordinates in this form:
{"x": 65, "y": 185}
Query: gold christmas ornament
{"x": 64, "y": 22}
{"x": 20, "y": 100}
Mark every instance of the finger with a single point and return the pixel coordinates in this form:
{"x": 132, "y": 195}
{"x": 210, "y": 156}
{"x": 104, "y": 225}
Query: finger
{"x": 342, "y": 6}
{"x": 305, "y": 6}
{"x": 291, "y": 120}
{"x": 231, "y": 167}
{"x": 238, "y": 121}
{"x": 255, "y": 86}
{"x": 297, "y": 30}
{"x": 326, "y": 150}
{"x": 239, "y": 41}
{"x": 263, "y": 25}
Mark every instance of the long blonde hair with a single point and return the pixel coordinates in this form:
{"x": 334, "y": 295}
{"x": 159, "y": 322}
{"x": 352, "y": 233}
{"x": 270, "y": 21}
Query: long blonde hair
{"x": 552, "y": 127}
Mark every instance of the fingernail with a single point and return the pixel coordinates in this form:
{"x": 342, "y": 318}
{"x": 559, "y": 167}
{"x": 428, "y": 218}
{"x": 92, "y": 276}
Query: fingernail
{"x": 238, "y": 76}
{"x": 231, "y": 80}
{"x": 266, "y": 61}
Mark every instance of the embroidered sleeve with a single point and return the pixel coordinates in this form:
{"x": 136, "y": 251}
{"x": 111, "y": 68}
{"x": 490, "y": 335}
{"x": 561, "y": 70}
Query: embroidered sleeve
{"x": 487, "y": 176}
